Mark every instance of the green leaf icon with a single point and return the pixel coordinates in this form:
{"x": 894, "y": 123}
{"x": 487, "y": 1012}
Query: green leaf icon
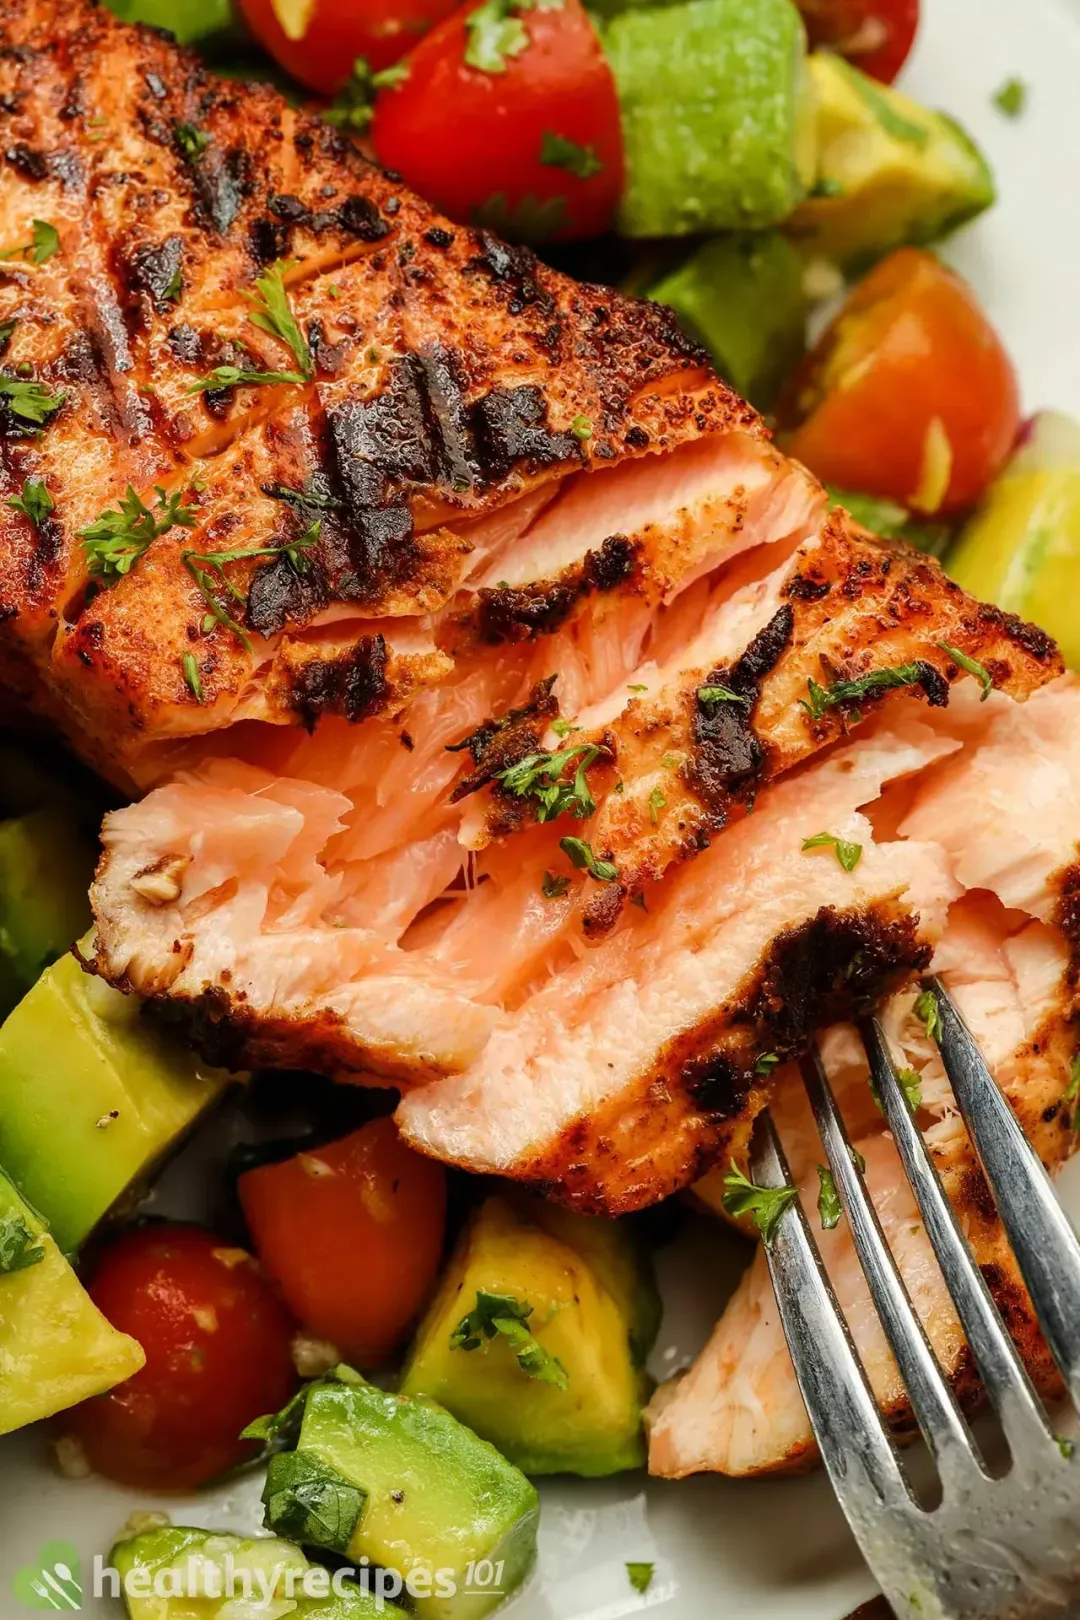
{"x": 52, "y": 1580}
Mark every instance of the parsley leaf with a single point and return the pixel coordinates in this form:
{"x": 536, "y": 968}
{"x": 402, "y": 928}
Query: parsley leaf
{"x": 710, "y": 696}
{"x": 308, "y": 497}
{"x": 173, "y": 287}
{"x": 1011, "y": 97}
{"x": 858, "y": 1161}
{"x": 191, "y": 143}
{"x": 502, "y": 1314}
{"x": 926, "y": 1008}
{"x": 28, "y": 400}
{"x": 829, "y": 1206}
{"x": 559, "y": 152}
{"x": 116, "y": 540}
{"x": 766, "y": 1063}
{"x": 849, "y": 855}
{"x": 554, "y": 887}
{"x": 46, "y": 241}
{"x": 272, "y": 312}
{"x": 561, "y": 727}
{"x": 531, "y": 219}
{"x": 34, "y": 502}
{"x": 1070, "y": 1094}
{"x": 354, "y": 105}
{"x": 192, "y": 676}
{"x": 765, "y": 1204}
{"x": 17, "y": 1246}
{"x": 656, "y": 804}
{"x": 540, "y": 776}
{"x": 494, "y": 34}
{"x": 581, "y": 855}
{"x": 581, "y": 428}
{"x": 640, "y": 1576}
{"x": 910, "y": 1085}
{"x": 207, "y": 569}
{"x": 237, "y": 376}
{"x": 972, "y": 666}
{"x": 878, "y": 680}
{"x": 308, "y": 1502}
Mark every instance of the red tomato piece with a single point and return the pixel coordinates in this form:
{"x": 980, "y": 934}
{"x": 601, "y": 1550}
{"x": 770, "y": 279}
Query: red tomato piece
{"x": 217, "y": 1343}
{"x": 317, "y": 41}
{"x": 509, "y": 117}
{"x": 909, "y": 393}
{"x": 352, "y": 1234}
{"x": 876, "y": 35}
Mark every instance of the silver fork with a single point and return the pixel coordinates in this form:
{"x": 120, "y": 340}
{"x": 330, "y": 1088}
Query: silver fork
{"x": 993, "y": 1547}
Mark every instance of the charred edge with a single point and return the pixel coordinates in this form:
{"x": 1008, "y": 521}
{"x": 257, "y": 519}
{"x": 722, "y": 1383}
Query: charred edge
{"x": 151, "y": 269}
{"x": 1033, "y": 641}
{"x": 510, "y": 430}
{"x": 727, "y": 755}
{"x": 515, "y": 271}
{"x": 354, "y": 685}
{"x": 1067, "y": 916}
{"x": 504, "y": 741}
{"x": 221, "y": 182}
{"x": 520, "y": 613}
{"x": 805, "y": 588}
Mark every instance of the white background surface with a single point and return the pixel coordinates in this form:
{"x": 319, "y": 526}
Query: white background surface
{"x": 779, "y": 1549}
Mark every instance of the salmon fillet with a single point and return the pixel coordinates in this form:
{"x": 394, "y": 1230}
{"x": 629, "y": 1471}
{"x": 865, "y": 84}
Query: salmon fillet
{"x": 1004, "y": 812}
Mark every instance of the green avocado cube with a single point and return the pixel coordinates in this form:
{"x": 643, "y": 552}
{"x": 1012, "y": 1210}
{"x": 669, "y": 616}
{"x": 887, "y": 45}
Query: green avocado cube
{"x": 56, "y": 1348}
{"x": 718, "y": 122}
{"x": 575, "y": 1287}
{"x": 92, "y": 1096}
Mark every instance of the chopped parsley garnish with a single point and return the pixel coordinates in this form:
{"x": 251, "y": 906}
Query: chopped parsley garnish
{"x": 34, "y": 502}
{"x": 710, "y": 696}
{"x": 540, "y": 776}
{"x": 503, "y": 1315}
{"x": 849, "y": 855}
{"x": 1011, "y": 97}
{"x": 207, "y": 569}
{"x": 116, "y": 540}
{"x": 640, "y": 1576}
{"x": 28, "y": 400}
{"x": 495, "y": 33}
{"x": 766, "y": 1063}
{"x": 765, "y": 1204}
{"x": 671, "y": 762}
{"x": 271, "y": 312}
{"x": 581, "y": 428}
{"x": 910, "y": 1085}
{"x": 1070, "y": 1094}
{"x": 353, "y": 106}
{"x": 926, "y": 1008}
{"x": 656, "y": 804}
{"x": 532, "y": 219}
{"x": 638, "y": 686}
{"x": 302, "y": 498}
{"x": 1066, "y": 1446}
{"x": 828, "y": 1201}
{"x": 17, "y": 1246}
{"x": 561, "y": 727}
{"x": 972, "y": 666}
{"x": 581, "y": 855}
{"x": 878, "y": 680}
{"x": 237, "y": 377}
{"x": 173, "y": 287}
{"x": 858, "y": 1161}
{"x": 44, "y": 242}
{"x": 554, "y": 887}
{"x": 559, "y": 152}
{"x": 192, "y": 676}
{"x": 191, "y": 143}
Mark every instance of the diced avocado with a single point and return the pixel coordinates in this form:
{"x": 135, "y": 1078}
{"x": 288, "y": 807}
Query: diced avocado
{"x": 582, "y": 1297}
{"x": 56, "y": 1348}
{"x": 890, "y": 173}
{"x": 742, "y": 297}
{"x": 400, "y": 1482}
{"x": 717, "y": 115}
{"x": 176, "y": 1573}
{"x": 1021, "y": 549}
{"x": 92, "y": 1095}
{"x": 46, "y": 866}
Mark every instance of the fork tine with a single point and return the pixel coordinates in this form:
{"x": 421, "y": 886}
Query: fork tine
{"x": 1007, "y": 1383}
{"x": 1043, "y": 1241}
{"x": 855, "y": 1445}
{"x": 932, "y": 1400}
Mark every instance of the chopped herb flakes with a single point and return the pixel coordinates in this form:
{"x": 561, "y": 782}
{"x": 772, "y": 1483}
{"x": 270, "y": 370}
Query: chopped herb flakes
{"x": 910, "y": 1085}
{"x": 765, "y": 1204}
{"x": 173, "y": 287}
{"x": 1011, "y": 97}
{"x": 640, "y": 1576}
{"x": 44, "y": 242}
{"x": 656, "y": 804}
{"x": 207, "y": 569}
{"x": 34, "y": 501}
{"x": 1066, "y": 1446}
{"x": 271, "y": 312}
{"x": 191, "y": 143}
{"x": 561, "y": 728}
{"x": 1069, "y": 1115}
{"x": 540, "y": 776}
{"x": 858, "y": 1161}
{"x": 849, "y": 855}
{"x": 353, "y": 106}
{"x": 581, "y": 428}
{"x": 238, "y": 376}
{"x": 878, "y": 680}
{"x": 28, "y": 400}
{"x": 495, "y": 33}
{"x": 116, "y": 540}
{"x": 829, "y": 1206}
{"x": 554, "y": 887}
{"x": 503, "y": 1315}
{"x": 926, "y": 1008}
{"x": 18, "y": 1248}
{"x": 192, "y": 676}
{"x": 766, "y": 1063}
{"x": 972, "y": 666}
{"x": 581, "y": 855}
{"x": 558, "y": 152}
{"x": 710, "y": 696}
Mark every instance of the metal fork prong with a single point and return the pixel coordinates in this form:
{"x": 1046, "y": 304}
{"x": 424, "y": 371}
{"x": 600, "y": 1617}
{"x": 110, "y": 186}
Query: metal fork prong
{"x": 932, "y": 1400}
{"x": 1007, "y": 1383}
{"x": 1042, "y": 1239}
{"x": 855, "y": 1445}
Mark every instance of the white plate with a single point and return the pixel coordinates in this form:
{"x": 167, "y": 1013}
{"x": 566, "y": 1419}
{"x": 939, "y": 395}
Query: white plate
{"x": 777, "y": 1549}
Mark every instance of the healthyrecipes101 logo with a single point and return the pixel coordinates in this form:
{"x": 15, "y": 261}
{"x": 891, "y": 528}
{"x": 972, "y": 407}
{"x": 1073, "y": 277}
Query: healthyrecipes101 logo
{"x": 52, "y": 1581}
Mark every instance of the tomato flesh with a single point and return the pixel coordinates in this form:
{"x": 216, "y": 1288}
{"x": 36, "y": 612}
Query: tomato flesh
{"x": 875, "y": 35}
{"x": 218, "y": 1354}
{"x": 319, "y": 43}
{"x": 352, "y": 1234}
{"x": 533, "y": 144}
{"x": 909, "y": 394}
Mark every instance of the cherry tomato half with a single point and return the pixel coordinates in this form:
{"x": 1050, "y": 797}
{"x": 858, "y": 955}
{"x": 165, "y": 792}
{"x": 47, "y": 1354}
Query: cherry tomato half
{"x": 353, "y": 1235}
{"x": 317, "y": 41}
{"x": 512, "y": 123}
{"x": 908, "y": 394}
{"x": 217, "y": 1343}
{"x": 876, "y": 35}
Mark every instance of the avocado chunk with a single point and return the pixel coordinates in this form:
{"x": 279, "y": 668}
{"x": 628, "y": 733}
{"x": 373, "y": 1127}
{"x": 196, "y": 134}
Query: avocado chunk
{"x": 398, "y": 1481}
{"x": 570, "y": 1286}
{"x": 890, "y": 173}
{"x": 46, "y": 867}
{"x": 92, "y": 1096}
{"x": 177, "y": 1573}
{"x": 742, "y": 297}
{"x": 56, "y": 1348}
{"x": 717, "y": 115}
